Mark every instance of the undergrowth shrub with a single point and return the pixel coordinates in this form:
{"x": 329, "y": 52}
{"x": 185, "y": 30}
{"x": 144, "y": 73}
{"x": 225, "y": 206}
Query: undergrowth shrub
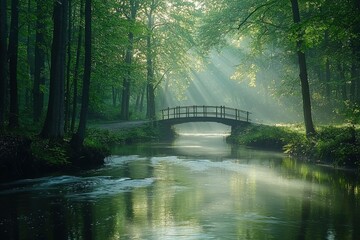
{"x": 339, "y": 146}
{"x": 49, "y": 153}
{"x": 262, "y": 136}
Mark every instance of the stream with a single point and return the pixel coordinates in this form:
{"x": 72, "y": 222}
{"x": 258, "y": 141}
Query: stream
{"x": 197, "y": 187}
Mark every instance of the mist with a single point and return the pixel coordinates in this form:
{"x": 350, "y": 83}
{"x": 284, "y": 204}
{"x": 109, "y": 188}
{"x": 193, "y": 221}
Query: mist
{"x": 213, "y": 86}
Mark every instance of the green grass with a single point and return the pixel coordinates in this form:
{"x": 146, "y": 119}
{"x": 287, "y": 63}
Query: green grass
{"x": 337, "y": 145}
{"x": 262, "y": 136}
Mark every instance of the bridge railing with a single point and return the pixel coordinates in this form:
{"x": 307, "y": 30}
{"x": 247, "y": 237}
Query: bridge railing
{"x": 205, "y": 111}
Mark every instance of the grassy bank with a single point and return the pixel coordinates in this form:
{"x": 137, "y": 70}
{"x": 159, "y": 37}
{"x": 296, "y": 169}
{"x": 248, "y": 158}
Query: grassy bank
{"x": 24, "y": 154}
{"x": 339, "y": 146}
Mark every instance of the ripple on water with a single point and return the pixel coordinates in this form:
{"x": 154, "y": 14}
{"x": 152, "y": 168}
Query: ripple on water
{"x": 75, "y": 188}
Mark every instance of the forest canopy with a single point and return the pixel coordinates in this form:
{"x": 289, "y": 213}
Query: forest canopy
{"x": 64, "y": 61}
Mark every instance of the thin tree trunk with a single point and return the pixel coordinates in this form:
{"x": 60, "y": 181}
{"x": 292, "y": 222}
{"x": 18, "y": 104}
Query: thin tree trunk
{"x": 114, "y": 95}
{"x": 54, "y": 122}
{"x": 39, "y": 71}
{"x": 141, "y": 109}
{"x": 13, "y": 61}
{"x": 30, "y": 57}
{"x": 328, "y": 79}
{"x": 76, "y": 70}
{"x": 78, "y": 138}
{"x": 327, "y": 70}
{"x": 3, "y": 60}
{"x": 68, "y": 66}
{"x": 137, "y": 102}
{"x": 150, "y": 113}
{"x": 125, "y": 97}
{"x": 305, "y": 90}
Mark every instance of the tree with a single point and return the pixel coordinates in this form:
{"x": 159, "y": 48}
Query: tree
{"x": 76, "y": 69}
{"x": 39, "y": 71}
{"x": 13, "y": 62}
{"x": 78, "y": 138}
{"x": 125, "y": 100}
{"x": 3, "y": 60}
{"x": 170, "y": 47}
{"x": 265, "y": 27}
{"x": 54, "y": 122}
{"x": 309, "y": 127}
{"x": 150, "y": 113}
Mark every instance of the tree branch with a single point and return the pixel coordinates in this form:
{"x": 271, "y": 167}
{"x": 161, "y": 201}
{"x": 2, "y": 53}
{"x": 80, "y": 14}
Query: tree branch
{"x": 254, "y": 11}
{"x": 162, "y": 77}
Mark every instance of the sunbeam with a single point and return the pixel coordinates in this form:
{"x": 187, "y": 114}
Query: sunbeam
{"x": 214, "y": 86}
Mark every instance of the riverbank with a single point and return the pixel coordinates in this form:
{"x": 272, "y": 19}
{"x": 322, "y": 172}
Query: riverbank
{"x": 335, "y": 145}
{"x": 25, "y": 155}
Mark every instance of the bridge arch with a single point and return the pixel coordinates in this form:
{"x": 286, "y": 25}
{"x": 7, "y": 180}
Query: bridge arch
{"x": 220, "y": 114}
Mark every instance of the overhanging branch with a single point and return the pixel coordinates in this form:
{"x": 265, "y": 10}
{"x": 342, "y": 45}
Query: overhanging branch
{"x": 254, "y": 11}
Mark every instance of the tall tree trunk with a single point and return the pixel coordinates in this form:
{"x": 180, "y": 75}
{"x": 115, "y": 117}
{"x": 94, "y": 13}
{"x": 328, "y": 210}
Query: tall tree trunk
{"x": 68, "y": 66}
{"x": 305, "y": 90}
{"x": 39, "y": 71}
{"x": 78, "y": 138}
{"x": 125, "y": 96}
{"x": 30, "y": 57}
{"x": 3, "y": 60}
{"x": 150, "y": 113}
{"x": 76, "y": 70}
{"x": 13, "y": 61}
{"x": 54, "y": 122}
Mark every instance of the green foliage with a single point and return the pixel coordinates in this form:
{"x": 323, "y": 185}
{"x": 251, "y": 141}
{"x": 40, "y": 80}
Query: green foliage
{"x": 104, "y": 138}
{"x": 50, "y": 153}
{"x": 339, "y": 146}
{"x": 300, "y": 146}
{"x": 262, "y": 136}
{"x": 351, "y": 112}
{"x": 336, "y": 145}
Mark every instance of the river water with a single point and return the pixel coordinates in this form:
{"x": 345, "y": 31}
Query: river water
{"x": 197, "y": 187}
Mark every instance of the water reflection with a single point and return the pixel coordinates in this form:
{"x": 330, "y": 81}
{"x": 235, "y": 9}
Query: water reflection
{"x": 175, "y": 191}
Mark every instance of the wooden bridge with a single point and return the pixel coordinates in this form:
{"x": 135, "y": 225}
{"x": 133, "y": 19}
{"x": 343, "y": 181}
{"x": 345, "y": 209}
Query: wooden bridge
{"x": 229, "y": 116}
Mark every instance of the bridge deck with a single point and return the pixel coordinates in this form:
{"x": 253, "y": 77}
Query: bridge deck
{"x": 216, "y": 113}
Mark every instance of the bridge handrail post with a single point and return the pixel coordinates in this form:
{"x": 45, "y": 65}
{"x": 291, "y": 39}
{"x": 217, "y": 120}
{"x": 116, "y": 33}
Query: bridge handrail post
{"x": 247, "y": 116}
